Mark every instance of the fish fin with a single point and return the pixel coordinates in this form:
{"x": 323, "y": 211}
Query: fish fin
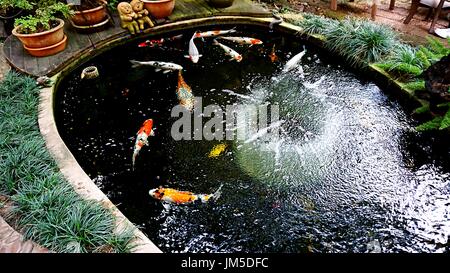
{"x": 135, "y": 63}
{"x": 217, "y": 193}
{"x": 187, "y": 56}
{"x": 152, "y": 132}
{"x": 166, "y": 71}
{"x": 157, "y": 69}
{"x": 233, "y": 30}
{"x": 215, "y": 42}
{"x": 166, "y": 205}
{"x": 134, "y": 160}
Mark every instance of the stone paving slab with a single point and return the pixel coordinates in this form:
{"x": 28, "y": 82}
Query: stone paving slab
{"x": 13, "y": 242}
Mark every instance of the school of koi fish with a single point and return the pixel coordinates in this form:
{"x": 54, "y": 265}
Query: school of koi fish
{"x": 186, "y": 99}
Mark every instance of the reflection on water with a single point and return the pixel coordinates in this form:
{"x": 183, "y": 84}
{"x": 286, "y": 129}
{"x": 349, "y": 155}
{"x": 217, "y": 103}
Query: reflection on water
{"x": 347, "y": 169}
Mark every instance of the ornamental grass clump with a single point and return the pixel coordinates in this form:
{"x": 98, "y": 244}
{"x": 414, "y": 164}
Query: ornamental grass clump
{"x": 359, "y": 41}
{"x": 315, "y": 25}
{"x": 46, "y": 208}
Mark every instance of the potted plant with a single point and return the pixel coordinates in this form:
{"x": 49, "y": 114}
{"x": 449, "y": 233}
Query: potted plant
{"x": 89, "y": 14}
{"x": 10, "y": 9}
{"x": 159, "y": 8}
{"x": 42, "y": 33}
{"x": 220, "y": 3}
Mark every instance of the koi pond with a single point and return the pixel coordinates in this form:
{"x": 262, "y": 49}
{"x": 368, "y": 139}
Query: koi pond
{"x": 347, "y": 173}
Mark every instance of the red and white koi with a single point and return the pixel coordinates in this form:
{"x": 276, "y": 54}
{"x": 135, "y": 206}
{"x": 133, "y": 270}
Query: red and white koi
{"x": 229, "y": 51}
{"x": 194, "y": 56}
{"x": 159, "y": 42}
{"x": 213, "y": 33}
{"x": 142, "y": 137}
{"x": 242, "y": 40}
{"x": 182, "y": 197}
{"x": 184, "y": 93}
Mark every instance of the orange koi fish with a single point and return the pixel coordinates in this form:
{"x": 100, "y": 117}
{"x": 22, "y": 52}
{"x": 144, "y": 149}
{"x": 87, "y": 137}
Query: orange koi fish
{"x": 182, "y": 197}
{"x": 273, "y": 57}
{"x": 142, "y": 136}
{"x": 184, "y": 93}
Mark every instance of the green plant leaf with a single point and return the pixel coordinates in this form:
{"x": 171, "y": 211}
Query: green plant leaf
{"x": 445, "y": 123}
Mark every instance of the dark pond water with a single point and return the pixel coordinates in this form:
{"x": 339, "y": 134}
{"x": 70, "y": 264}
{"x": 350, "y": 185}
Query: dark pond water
{"x": 347, "y": 172}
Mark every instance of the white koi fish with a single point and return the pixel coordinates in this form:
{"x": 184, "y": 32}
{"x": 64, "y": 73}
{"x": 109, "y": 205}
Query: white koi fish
{"x": 164, "y": 66}
{"x": 294, "y": 61}
{"x": 193, "y": 51}
{"x": 242, "y": 40}
{"x": 213, "y": 33}
{"x": 230, "y": 52}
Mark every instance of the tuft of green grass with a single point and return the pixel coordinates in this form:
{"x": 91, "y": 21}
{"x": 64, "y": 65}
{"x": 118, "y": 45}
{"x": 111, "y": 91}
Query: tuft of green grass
{"x": 313, "y": 24}
{"x": 415, "y": 86}
{"x": 47, "y": 209}
{"x": 360, "y": 41}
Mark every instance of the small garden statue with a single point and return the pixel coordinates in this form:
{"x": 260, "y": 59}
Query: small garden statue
{"x": 142, "y": 14}
{"x": 127, "y": 17}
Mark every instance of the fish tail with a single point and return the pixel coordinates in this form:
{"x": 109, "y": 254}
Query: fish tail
{"x": 135, "y": 63}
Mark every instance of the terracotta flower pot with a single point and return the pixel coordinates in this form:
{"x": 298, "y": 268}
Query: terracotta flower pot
{"x": 41, "y": 39}
{"x": 49, "y": 50}
{"x": 159, "y": 9}
{"x": 220, "y": 3}
{"x": 90, "y": 17}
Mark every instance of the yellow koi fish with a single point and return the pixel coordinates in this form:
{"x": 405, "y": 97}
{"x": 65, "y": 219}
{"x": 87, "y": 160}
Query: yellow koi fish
{"x": 217, "y": 150}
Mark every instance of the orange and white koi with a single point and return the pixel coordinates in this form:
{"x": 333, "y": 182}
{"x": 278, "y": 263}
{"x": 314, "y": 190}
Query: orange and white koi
{"x": 142, "y": 138}
{"x": 243, "y": 40}
{"x": 213, "y": 33}
{"x": 182, "y": 197}
{"x": 184, "y": 93}
{"x": 230, "y": 52}
{"x": 194, "y": 56}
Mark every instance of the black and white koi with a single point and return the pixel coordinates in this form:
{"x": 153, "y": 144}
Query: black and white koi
{"x": 159, "y": 66}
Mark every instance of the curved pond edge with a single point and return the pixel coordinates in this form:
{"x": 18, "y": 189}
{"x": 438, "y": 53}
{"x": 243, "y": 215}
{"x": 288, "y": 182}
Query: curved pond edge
{"x": 69, "y": 166}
